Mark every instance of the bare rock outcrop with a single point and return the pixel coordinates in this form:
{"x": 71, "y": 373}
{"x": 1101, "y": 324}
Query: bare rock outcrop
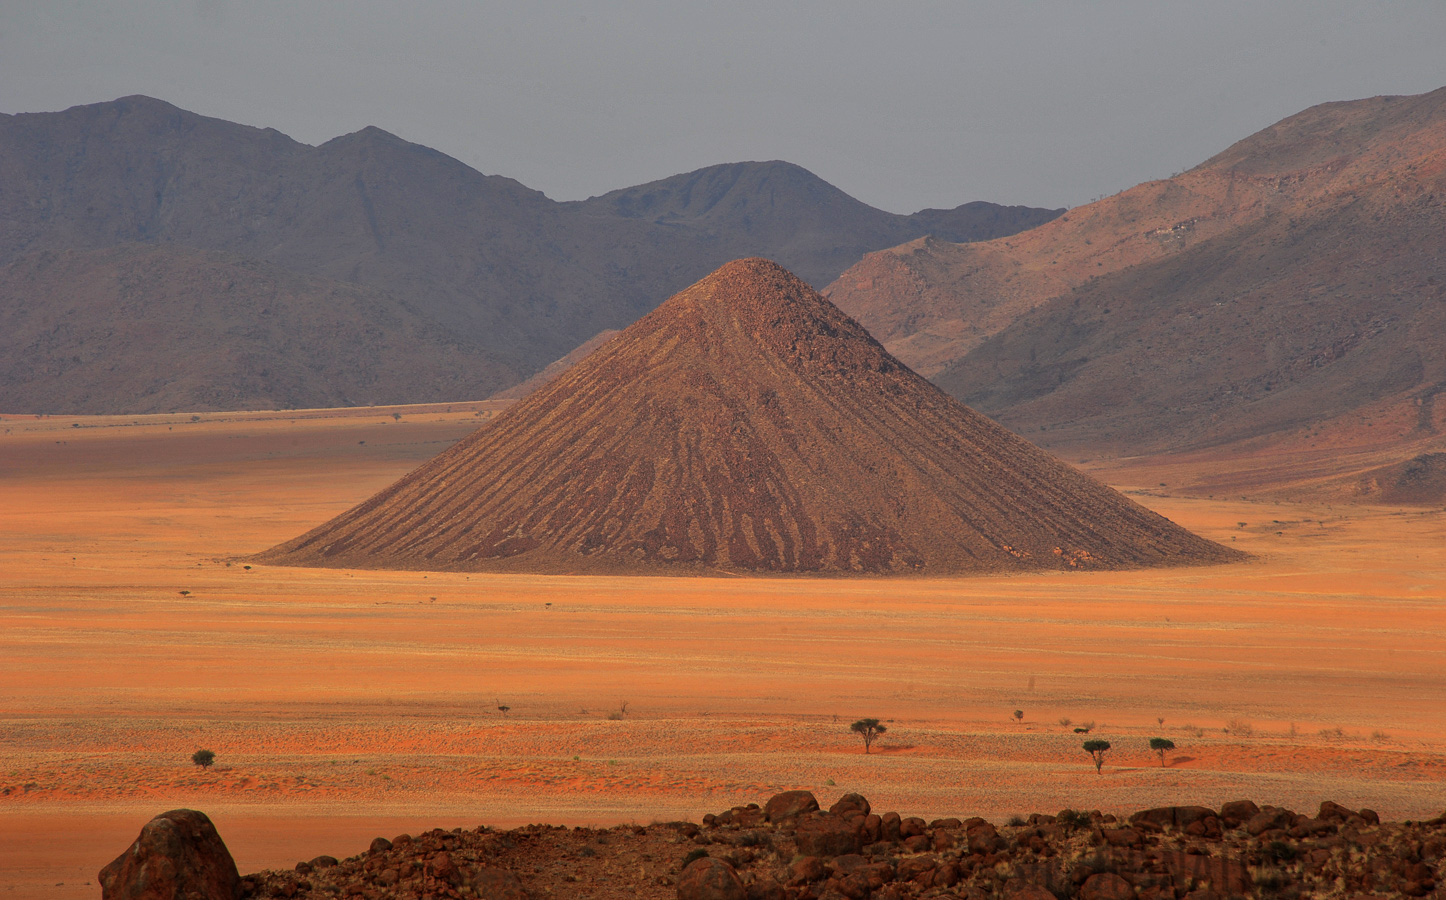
{"x": 178, "y": 856}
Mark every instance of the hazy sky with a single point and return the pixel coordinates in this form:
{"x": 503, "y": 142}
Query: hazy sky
{"x": 901, "y": 104}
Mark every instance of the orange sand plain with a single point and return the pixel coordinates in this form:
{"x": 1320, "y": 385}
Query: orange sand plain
{"x": 345, "y": 704}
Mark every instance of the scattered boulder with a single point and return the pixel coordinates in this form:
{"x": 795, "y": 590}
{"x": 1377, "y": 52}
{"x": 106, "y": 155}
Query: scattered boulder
{"x": 178, "y": 856}
{"x": 1237, "y": 812}
{"x": 1163, "y": 818}
{"x": 1271, "y": 818}
{"x": 806, "y": 870}
{"x": 825, "y": 834}
{"x": 790, "y": 805}
{"x": 850, "y": 803}
{"x": 1106, "y": 886}
{"x": 710, "y": 879}
{"x": 1122, "y": 837}
{"x": 499, "y": 884}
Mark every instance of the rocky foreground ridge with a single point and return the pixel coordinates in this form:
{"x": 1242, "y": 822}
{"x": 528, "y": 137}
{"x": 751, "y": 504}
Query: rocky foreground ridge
{"x": 790, "y": 849}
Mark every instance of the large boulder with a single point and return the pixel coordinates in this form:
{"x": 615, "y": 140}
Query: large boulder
{"x": 1238, "y": 812}
{"x": 178, "y": 856}
{"x": 849, "y": 803}
{"x": 827, "y": 835}
{"x": 1106, "y": 886}
{"x": 790, "y": 805}
{"x": 710, "y": 879}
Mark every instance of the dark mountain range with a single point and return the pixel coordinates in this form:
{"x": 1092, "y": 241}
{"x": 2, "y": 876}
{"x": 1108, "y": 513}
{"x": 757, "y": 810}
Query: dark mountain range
{"x": 1294, "y": 280}
{"x": 745, "y": 425}
{"x": 742, "y": 208}
{"x": 506, "y": 277}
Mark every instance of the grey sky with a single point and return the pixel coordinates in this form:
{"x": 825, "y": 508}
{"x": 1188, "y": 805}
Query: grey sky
{"x": 901, "y": 104}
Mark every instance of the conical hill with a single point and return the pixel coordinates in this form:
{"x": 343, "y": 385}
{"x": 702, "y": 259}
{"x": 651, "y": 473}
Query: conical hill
{"x": 746, "y": 425}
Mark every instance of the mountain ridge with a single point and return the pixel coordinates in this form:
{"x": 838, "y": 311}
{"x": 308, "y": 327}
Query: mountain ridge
{"x": 517, "y": 278}
{"x": 1231, "y": 301}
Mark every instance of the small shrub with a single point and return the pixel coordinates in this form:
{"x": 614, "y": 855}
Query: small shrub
{"x": 1017, "y": 821}
{"x": 203, "y": 758}
{"x": 1380, "y": 737}
{"x": 1066, "y": 721}
{"x": 1332, "y": 734}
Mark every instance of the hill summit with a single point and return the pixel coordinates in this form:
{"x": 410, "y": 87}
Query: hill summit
{"x": 747, "y": 424}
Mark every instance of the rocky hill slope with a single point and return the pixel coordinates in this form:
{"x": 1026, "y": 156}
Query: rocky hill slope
{"x": 745, "y": 425}
{"x": 1297, "y": 278}
{"x": 790, "y": 849}
{"x": 504, "y": 276}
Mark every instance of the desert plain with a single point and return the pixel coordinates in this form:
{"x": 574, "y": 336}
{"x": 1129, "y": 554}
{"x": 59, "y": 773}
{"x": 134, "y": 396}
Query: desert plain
{"x": 346, "y": 704}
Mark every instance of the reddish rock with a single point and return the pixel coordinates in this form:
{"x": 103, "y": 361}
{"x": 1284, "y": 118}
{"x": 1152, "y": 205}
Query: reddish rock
{"x": 1167, "y": 817}
{"x": 1329, "y": 809}
{"x": 873, "y": 828}
{"x": 710, "y": 879}
{"x": 890, "y": 826}
{"x": 498, "y": 884}
{"x": 766, "y": 888}
{"x": 379, "y": 845}
{"x": 1106, "y": 886}
{"x": 1224, "y": 875}
{"x": 1027, "y": 892}
{"x": 850, "y": 803}
{"x": 806, "y": 870}
{"x": 911, "y": 826}
{"x": 916, "y": 867}
{"x": 854, "y": 886}
{"x": 1270, "y": 819}
{"x": 847, "y": 863}
{"x": 1122, "y": 837}
{"x": 1237, "y": 812}
{"x": 985, "y": 839}
{"x": 444, "y": 870}
{"x": 178, "y": 856}
{"x": 822, "y": 834}
{"x": 790, "y": 805}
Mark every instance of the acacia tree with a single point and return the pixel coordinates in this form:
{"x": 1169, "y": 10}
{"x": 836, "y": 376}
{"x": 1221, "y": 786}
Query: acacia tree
{"x": 1097, "y": 748}
{"x": 1160, "y": 746}
{"x": 870, "y": 729}
{"x": 203, "y": 758}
